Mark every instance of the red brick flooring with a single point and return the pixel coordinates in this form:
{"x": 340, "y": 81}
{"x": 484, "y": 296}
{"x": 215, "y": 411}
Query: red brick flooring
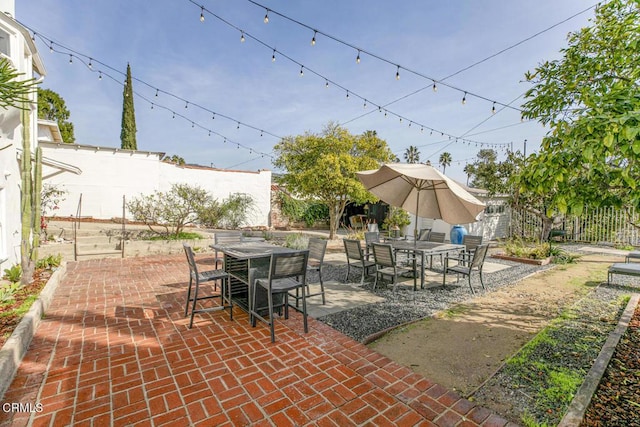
{"x": 114, "y": 349}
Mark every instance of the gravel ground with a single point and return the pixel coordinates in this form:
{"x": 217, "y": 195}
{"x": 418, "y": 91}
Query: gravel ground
{"x": 540, "y": 381}
{"x": 404, "y": 305}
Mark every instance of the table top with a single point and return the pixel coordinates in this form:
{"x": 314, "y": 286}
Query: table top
{"x": 250, "y": 249}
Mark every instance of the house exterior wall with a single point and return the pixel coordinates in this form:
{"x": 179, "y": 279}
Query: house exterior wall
{"x": 109, "y": 174}
{"x": 21, "y": 53}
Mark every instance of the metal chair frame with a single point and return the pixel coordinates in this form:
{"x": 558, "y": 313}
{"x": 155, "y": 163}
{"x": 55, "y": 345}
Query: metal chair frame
{"x": 287, "y": 272}
{"x": 386, "y": 264}
{"x": 475, "y": 262}
{"x": 353, "y": 249}
{"x": 196, "y": 278}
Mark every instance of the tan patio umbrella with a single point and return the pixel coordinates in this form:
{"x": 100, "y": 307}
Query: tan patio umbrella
{"x": 422, "y": 190}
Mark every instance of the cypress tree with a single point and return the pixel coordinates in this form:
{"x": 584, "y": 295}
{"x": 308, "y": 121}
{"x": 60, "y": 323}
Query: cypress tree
{"x": 128, "y": 132}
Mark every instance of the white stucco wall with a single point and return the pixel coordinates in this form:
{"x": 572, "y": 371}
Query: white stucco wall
{"x": 22, "y": 54}
{"x": 108, "y": 174}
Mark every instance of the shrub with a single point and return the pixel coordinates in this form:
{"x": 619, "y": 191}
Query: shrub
{"x": 49, "y": 262}
{"x": 299, "y": 210}
{"x": 171, "y": 210}
{"x": 8, "y": 291}
{"x": 519, "y": 249}
{"x": 232, "y": 212}
{"x": 13, "y": 274}
{"x": 296, "y": 241}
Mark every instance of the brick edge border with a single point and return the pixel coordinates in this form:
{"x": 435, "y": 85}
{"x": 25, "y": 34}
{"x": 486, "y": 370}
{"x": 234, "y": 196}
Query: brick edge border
{"x": 16, "y": 346}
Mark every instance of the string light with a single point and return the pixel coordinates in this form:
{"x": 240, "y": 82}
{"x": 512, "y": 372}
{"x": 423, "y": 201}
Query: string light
{"x": 266, "y": 17}
{"x": 434, "y": 87}
{"x": 493, "y": 109}
{"x": 358, "y": 58}
{"x": 347, "y": 94}
{"x": 70, "y": 59}
{"x": 365, "y": 103}
{"x": 157, "y": 90}
{"x": 186, "y": 105}
{"x": 152, "y": 106}
{"x": 201, "y": 13}
{"x": 301, "y": 70}
{"x": 273, "y": 56}
{"x": 242, "y": 37}
{"x": 51, "y": 47}
{"x": 326, "y": 84}
{"x": 313, "y": 39}
{"x": 398, "y": 73}
{"x": 99, "y": 75}
{"x": 90, "y": 64}
{"x": 464, "y": 98}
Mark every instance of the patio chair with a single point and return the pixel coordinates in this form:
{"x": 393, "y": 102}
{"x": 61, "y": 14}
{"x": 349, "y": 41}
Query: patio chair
{"x": 475, "y": 262}
{"x": 386, "y": 264}
{"x": 436, "y": 237}
{"x": 423, "y": 234}
{"x": 317, "y": 248}
{"x": 369, "y": 238}
{"x": 196, "y": 278}
{"x": 356, "y": 259}
{"x": 470, "y": 242}
{"x": 287, "y": 272}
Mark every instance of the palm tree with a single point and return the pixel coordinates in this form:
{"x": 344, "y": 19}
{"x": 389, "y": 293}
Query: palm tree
{"x": 469, "y": 169}
{"x": 445, "y": 160}
{"x": 412, "y": 155}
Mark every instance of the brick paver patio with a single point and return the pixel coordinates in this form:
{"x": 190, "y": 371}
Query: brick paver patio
{"x": 114, "y": 349}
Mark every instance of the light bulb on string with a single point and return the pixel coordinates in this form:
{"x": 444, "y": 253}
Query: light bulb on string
{"x": 434, "y": 87}
{"x": 266, "y": 17}
{"x": 238, "y": 127}
{"x": 464, "y": 98}
{"x": 174, "y": 115}
{"x": 70, "y": 59}
{"x": 242, "y": 37}
{"x": 398, "y": 73}
{"x": 213, "y": 116}
{"x": 313, "y": 39}
{"x": 193, "y": 124}
{"x": 421, "y": 129}
{"x": 99, "y": 75}
{"x": 90, "y": 64}
{"x": 51, "y": 47}
{"x": 347, "y": 94}
{"x": 209, "y": 133}
{"x": 326, "y": 84}
{"x": 152, "y": 105}
{"x": 157, "y": 90}
{"x": 33, "y": 37}
{"x": 493, "y": 109}
{"x": 301, "y": 70}
{"x": 358, "y": 58}
{"x": 261, "y": 133}
{"x": 365, "y": 104}
{"x": 273, "y": 56}
{"x": 186, "y": 105}
{"x": 410, "y": 123}
{"x": 201, "y": 13}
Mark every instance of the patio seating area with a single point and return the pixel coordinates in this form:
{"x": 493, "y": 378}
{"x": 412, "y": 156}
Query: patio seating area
{"x": 115, "y": 348}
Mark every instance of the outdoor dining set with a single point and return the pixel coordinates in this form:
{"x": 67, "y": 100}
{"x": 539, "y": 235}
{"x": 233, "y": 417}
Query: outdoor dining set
{"x": 261, "y": 278}
{"x": 264, "y": 279}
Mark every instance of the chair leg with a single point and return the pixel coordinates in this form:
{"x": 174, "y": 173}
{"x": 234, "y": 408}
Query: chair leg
{"x": 481, "y": 282}
{"x": 362, "y": 277}
{"x": 186, "y": 307}
{"x": 321, "y": 286}
{"x": 471, "y": 287}
{"x": 226, "y": 285}
{"x": 304, "y": 311}
{"x": 271, "y": 322}
{"x": 346, "y": 279}
{"x": 195, "y": 301}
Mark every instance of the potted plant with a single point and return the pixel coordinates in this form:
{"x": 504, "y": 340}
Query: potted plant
{"x": 396, "y": 220}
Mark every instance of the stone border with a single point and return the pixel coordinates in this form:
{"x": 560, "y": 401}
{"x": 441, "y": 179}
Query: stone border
{"x": 16, "y": 346}
{"x": 575, "y": 412}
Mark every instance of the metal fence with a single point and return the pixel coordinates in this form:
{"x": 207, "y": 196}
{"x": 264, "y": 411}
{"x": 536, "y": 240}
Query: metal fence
{"x": 599, "y": 225}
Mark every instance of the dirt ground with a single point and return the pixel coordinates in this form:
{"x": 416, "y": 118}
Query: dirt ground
{"x": 462, "y": 347}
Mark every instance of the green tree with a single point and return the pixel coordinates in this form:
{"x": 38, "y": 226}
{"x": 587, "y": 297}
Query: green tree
{"x": 490, "y": 174}
{"x": 52, "y": 107}
{"x": 128, "y": 132}
{"x": 323, "y": 167}
{"x": 445, "y": 160}
{"x": 412, "y": 154}
{"x": 590, "y": 99}
{"x": 175, "y": 159}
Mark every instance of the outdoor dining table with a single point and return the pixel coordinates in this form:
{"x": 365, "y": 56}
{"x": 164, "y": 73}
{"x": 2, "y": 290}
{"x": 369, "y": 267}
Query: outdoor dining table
{"x": 423, "y": 249}
{"x": 245, "y": 261}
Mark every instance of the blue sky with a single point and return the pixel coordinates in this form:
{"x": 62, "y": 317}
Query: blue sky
{"x": 206, "y": 64}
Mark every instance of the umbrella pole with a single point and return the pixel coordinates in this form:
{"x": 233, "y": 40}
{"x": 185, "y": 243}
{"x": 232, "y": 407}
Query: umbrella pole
{"x": 415, "y": 227}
